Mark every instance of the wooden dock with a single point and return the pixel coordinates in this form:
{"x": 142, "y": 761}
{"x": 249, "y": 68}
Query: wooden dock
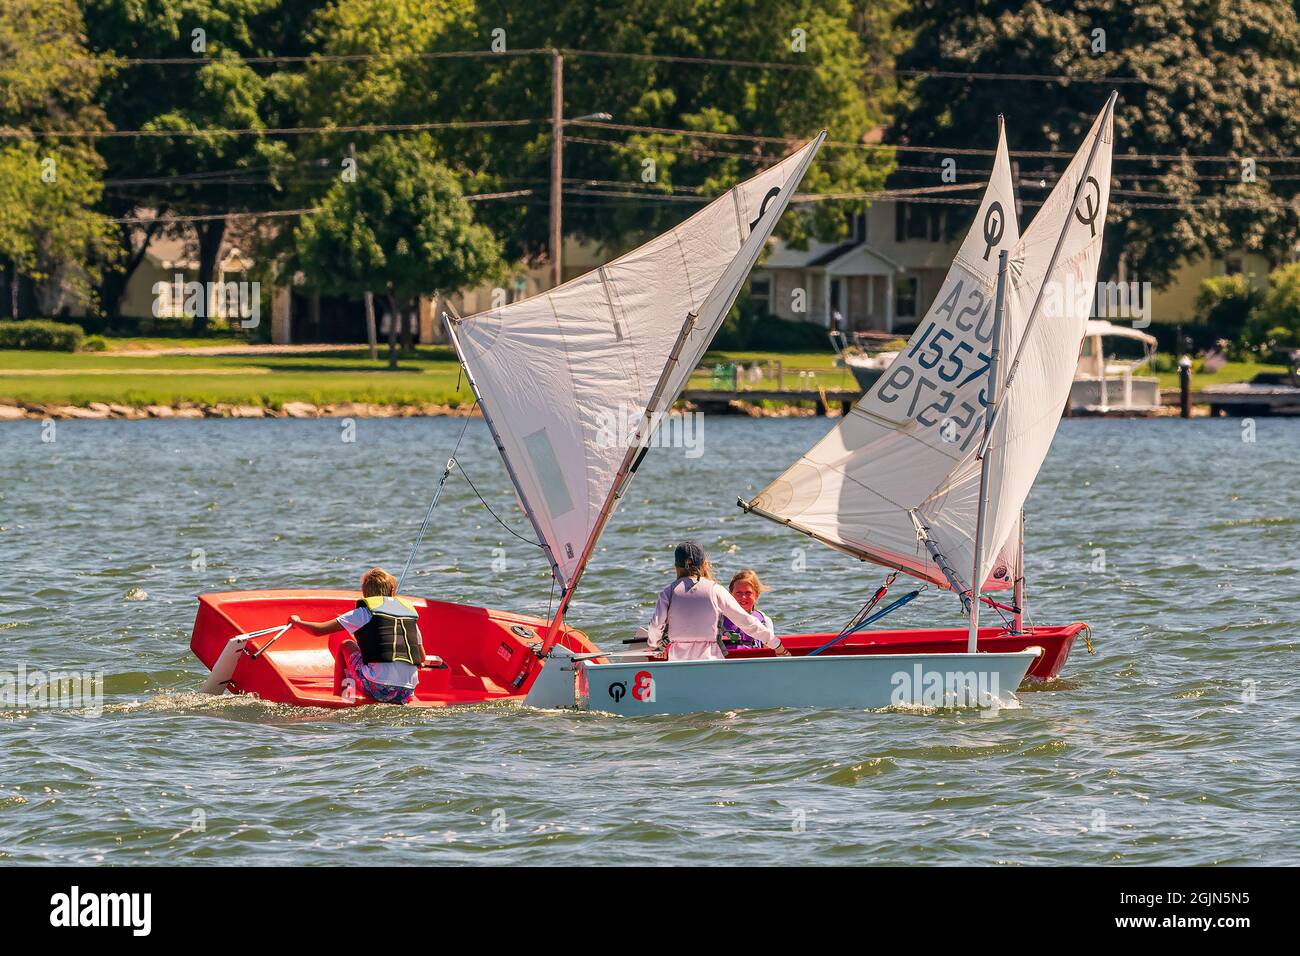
{"x": 718, "y": 400}
{"x": 1244, "y": 399}
{"x": 1241, "y": 400}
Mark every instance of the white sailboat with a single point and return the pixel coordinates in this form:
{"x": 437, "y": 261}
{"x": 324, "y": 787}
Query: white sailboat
{"x": 554, "y": 373}
{"x": 929, "y": 472}
{"x": 572, "y": 384}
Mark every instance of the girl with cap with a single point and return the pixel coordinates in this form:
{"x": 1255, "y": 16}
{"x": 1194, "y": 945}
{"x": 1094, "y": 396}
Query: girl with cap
{"x": 689, "y": 609}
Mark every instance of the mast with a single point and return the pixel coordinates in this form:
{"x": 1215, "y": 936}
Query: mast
{"x": 450, "y": 324}
{"x": 1018, "y": 626}
{"x": 623, "y": 476}
{"x": 999, "y": 304}
{"x": 636, "y": 450}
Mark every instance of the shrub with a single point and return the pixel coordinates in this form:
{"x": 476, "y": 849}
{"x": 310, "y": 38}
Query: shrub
{"x": 94, "y": 343}
{"x": 41, "y": 334}
{"x": 1224, "y": 305}
{"x": 749, "y": 329}
{"x": 770, "y": 334}
{"x": 1275, "y": 323}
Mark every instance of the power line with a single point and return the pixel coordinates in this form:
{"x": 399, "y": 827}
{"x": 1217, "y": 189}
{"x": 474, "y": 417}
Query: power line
{"x": 906, "y": 148}
{"x": 283, "y": 213}
{"x": 676, "y": 59}
{"x": 310, "y": 58}
{"x": 256, "y": 131}
{"x": 786, "y": 141}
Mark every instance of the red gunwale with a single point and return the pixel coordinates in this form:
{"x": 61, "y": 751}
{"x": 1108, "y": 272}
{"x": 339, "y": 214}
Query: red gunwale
{"x": 482, "y": 651}
{"x": 1055, "y": 642}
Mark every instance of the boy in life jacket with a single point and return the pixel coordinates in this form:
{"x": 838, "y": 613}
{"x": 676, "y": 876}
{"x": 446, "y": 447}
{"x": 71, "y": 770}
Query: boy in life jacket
{"x": 384, "y": 650}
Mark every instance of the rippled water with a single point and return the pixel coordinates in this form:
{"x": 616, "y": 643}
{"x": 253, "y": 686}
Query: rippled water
{"x": 1177, "y": 743}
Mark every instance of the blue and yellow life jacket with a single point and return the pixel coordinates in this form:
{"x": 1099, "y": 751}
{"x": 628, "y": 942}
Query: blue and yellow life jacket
{"x": 391, "y": 634}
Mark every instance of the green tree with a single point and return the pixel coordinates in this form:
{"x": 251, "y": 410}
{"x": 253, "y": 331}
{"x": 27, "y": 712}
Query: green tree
{"x": 1214, "y": 79}
{"x": 824, "y": 85}
{"x": 194, "y": 173}
{"x": 1275, "y": 322}
{"x": 403, "y": 227}
{"x": 51, "y": 236}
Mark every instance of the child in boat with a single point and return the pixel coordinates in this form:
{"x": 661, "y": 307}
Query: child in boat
{"x": 384, "y": 659}
{"x": 688, "y": 611}
{"x": 745, "y": 587}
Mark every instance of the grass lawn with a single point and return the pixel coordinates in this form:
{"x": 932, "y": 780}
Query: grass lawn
{"x": 136, "y": 378}
{"x": 128, "y": 374}
{"x": 1231, "y": 373}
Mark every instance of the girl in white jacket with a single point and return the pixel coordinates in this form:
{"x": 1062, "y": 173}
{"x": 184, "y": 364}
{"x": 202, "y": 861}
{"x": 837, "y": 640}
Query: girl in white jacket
{"x": 688, "y": 611}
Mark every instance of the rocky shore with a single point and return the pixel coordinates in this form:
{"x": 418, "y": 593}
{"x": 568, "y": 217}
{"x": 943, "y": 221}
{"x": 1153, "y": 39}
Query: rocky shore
{"x": 11, "y": 410}
{"x": 100, "y": 410}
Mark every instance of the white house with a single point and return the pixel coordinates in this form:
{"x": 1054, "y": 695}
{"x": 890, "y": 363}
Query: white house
{"x": 883, "y": 276}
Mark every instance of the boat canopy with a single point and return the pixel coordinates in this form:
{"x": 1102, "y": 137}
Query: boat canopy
{"x": 1100, "y": 327}
{"x": 904, "y": 462}
{"x": 573, "y": 381}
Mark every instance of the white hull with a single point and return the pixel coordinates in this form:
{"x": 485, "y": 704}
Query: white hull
{"x": 1115, "y": 394}
{"x": 644, "y": 688}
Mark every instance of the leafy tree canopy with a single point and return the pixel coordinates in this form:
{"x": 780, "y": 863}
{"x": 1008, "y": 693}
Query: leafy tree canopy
{"x": 1216, "y": 79}
{"x": 403, "y": 226}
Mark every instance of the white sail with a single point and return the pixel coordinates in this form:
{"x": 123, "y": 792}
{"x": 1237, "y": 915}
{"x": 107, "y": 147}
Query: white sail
{"x": 894, "y": 456}
{"x": 571, "y": 380}
{"x": 1048, "y": 314}
{"x": 906, "y": 457}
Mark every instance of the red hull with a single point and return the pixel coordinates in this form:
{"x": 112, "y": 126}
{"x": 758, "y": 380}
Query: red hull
{"x": 487, "y": 652}
{"x": 1055, "y": 642}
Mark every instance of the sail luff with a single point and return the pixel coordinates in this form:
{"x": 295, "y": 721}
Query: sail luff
{"x": 1027, "y": 415}
{"x": 449, "y": 323}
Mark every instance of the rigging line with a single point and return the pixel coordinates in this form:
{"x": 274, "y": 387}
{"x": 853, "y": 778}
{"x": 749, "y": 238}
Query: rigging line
{"x": 489, "y": 507}
{"x": 437, "y": 493}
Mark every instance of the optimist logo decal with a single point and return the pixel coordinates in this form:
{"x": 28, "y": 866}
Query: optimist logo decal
{"x": 771, "y": 194}
{"x": 617, "y": 690}
{"x": 643, "y": 687}
{"x": 1092, "y": 204}
{"x": 995, "y": 223}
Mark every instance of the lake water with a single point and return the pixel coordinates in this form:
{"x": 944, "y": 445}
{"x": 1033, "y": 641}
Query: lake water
{"x": 1179, "y": 742}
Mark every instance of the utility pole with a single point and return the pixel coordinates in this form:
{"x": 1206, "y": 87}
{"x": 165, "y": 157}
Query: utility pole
{"x": 557, "y": 160}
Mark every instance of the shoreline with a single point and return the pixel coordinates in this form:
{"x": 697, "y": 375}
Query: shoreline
{"x": 12, "y": 410}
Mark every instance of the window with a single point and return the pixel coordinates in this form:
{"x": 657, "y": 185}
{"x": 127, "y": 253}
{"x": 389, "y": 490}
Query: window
{"x": 907, "y": 293}
{"x": 913, "y": 221}
{"x": 760, "y": 290}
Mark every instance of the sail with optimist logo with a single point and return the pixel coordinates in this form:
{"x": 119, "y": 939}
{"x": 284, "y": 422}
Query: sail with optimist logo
{"x": 573, "y": 382}
{"x": 898, "y": 481}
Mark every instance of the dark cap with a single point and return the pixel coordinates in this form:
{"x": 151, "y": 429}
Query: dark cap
{"x": 688, "y": 555}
